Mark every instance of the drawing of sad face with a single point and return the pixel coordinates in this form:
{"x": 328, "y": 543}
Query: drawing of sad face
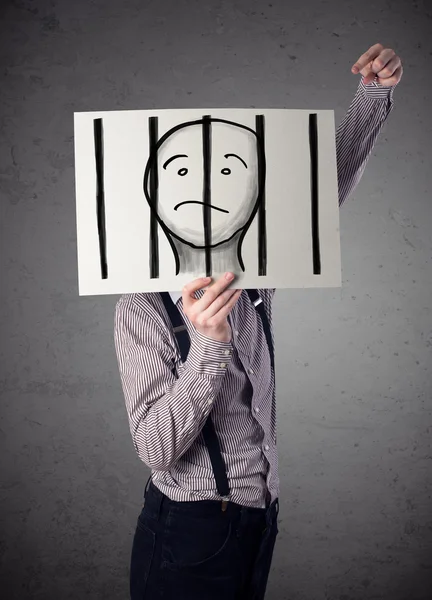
{"x": 207, "y": 181}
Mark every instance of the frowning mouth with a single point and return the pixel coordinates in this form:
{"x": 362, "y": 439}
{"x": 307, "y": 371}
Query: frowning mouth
{"x": 202, "y": 204}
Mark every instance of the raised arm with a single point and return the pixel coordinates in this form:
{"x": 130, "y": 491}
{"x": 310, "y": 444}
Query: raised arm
{"x": 358, "y": 132}
{"x": 356, "y": 135}
{"x": 382, "y": 70}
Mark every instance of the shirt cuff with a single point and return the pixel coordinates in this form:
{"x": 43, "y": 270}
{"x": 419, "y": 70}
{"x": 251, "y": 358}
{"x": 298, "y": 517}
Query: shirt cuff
{"x": 208, "y": 356}
{"x": 376, "y": 90}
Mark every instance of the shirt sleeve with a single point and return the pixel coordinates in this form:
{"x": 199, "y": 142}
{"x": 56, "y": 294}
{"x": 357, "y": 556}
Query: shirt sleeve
{"x": 355, "y": 139}
{"x": 358, "y": 132}
{"x": 165, "y": 413}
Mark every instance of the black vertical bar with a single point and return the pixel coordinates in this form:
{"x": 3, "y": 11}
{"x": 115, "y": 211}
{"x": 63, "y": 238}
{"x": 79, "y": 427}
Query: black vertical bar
{"x": 313, "y": 146}
{"x": 154, "y": 185}
{"x": 262, "y": 226}
{"x": 206, "y": 136}
{"x": 100, "y": 194}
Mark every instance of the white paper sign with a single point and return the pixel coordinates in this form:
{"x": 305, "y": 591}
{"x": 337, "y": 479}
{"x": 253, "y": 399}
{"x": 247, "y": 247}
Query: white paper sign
{"x": 165, "y": 196}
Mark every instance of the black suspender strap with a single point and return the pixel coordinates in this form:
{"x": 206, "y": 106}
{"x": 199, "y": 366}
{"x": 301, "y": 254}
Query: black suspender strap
{"x": 178, "y": 325}
{"x": 209, "y": 432}
{"x": 216, "y": 459}
{"x": 259, "y": 305}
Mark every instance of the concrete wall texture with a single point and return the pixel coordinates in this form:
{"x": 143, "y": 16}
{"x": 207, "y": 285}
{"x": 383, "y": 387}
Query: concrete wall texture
{"x": 354, "y": 373}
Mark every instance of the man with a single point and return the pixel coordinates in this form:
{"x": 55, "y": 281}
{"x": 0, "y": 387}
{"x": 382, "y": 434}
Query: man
{"x": 206, "y": 424}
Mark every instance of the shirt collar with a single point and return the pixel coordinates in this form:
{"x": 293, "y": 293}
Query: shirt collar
{"x": 175, "y": 296}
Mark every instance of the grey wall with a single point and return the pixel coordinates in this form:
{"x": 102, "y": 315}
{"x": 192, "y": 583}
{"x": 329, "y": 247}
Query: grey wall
{"x": 354, "y": 365}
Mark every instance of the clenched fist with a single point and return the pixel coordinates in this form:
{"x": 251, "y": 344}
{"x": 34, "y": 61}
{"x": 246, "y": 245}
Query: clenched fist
{"x": 381, "y": 63}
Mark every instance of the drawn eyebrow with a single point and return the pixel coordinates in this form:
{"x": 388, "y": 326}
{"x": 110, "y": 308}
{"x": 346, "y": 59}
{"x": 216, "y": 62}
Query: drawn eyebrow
{"x": 173, "y": 158}
{"x": 226, "y": 156}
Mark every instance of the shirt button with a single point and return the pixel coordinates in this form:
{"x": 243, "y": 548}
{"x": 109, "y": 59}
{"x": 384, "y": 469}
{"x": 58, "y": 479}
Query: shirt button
{"x": 256, "y": 409}
{"x": 266, "y": 448}
{"x": 223, "y": 365}
{"x": 209, "y": 401}
{"x": 236, "y": 332}
{"x": 250, "y": 371}
{"x": 227, "y": 352}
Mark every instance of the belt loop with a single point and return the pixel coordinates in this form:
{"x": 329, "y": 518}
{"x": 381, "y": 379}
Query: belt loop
{"x": 161, "y": 499}
{"x": 147, "y": 485}
{"x": 157, "y": 498}
{"x": 276, "y": 507}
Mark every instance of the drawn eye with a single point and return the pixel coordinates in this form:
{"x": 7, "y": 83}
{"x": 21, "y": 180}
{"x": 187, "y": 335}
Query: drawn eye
{"x": 182, "y": 172}
{"x": 226, "y": 171}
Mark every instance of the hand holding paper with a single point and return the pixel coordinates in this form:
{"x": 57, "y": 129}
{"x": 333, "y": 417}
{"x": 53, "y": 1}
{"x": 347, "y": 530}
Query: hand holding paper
{"x": 209, "y": 314}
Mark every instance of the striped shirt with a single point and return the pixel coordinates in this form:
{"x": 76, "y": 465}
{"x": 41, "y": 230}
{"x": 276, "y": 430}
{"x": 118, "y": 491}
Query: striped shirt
{"x": 234, "y": 380}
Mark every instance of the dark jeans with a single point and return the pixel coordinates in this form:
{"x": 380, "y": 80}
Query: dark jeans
{"x": 194, "y": 551}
